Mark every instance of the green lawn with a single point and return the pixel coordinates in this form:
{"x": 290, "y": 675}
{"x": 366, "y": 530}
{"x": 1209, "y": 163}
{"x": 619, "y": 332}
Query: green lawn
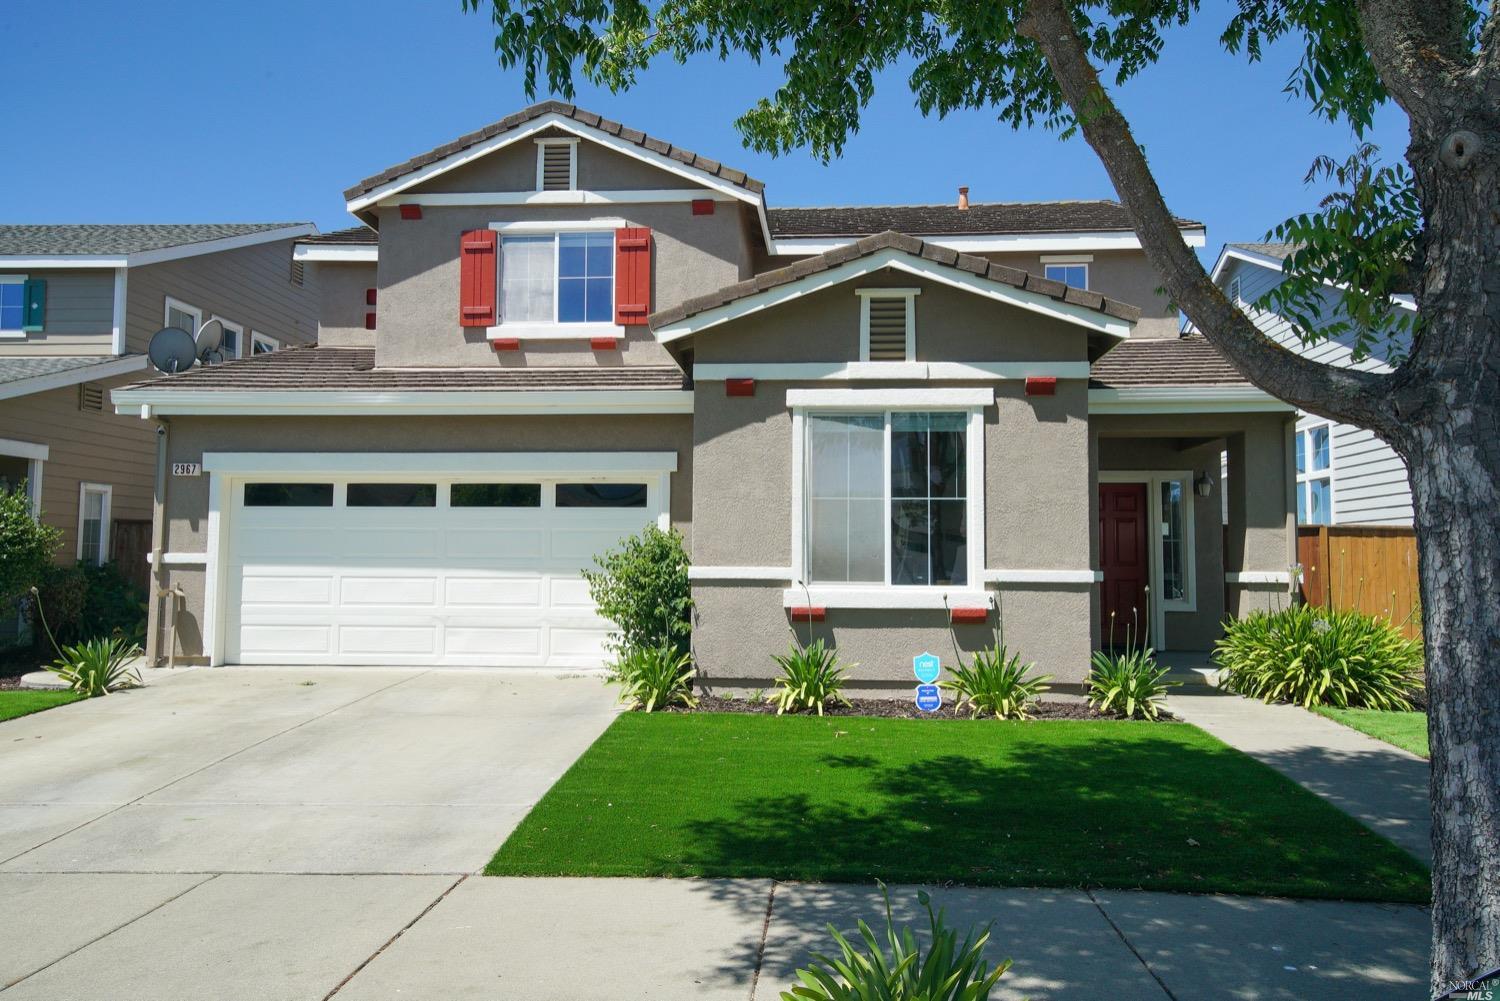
{"x": 1120, "y": 805}
{"x": 14, "y": 702}
{"x": 1407, "y": 731}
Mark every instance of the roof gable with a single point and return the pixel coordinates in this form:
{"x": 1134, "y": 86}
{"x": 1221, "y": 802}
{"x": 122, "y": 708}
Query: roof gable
{"x": 899, "y": 252}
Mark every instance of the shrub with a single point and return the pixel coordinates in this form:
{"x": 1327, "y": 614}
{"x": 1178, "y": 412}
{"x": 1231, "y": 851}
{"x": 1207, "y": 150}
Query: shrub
{"x": 26, "y": 545}
{"x": 62, "y": 592}
{"x": 98, "y": 666}
{"x": 995, "y": 683}
{"x": 1128, "y": 682}
{"x": 897, "y": 969}
{"x": 810, "y": 678}
{"x": 1315, "y": 656}
{"x": 654, "y": 677}
{"x": 642, "y": 587}
{"x": 112, "y": 605}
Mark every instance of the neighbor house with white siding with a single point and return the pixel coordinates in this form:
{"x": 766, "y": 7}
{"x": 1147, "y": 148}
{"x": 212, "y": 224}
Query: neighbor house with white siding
{"x": 1345, "y": 474}
{"x": 78, "y": 306}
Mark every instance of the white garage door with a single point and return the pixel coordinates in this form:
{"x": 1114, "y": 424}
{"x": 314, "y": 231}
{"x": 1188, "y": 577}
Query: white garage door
{"x": 424, "y": 571}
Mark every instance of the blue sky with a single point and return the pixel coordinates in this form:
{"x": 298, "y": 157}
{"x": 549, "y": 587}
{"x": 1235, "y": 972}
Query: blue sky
{"x": 239, "y": 111}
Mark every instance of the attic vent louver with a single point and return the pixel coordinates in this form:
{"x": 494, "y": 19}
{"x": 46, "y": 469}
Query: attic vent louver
{"x": 91, "y": 397}
{"x": 555, "y": 166}
{"x": 887, "y": 324}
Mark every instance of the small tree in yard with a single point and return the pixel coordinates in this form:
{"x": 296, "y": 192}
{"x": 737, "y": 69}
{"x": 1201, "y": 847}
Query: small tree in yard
{"x": 1432, "y": 222}
{"x": 26, "y": 546}
{"x": 642, "y": 587}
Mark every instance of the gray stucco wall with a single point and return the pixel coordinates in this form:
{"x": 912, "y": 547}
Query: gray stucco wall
{"x": 341, "y": 290}
{"x": 1120, "y": 274}
{"x": 190, "y": 437}
{"x": 513, "y": 168}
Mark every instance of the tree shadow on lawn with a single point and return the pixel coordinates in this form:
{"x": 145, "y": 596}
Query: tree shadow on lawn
{"x": 1147, "y": 813}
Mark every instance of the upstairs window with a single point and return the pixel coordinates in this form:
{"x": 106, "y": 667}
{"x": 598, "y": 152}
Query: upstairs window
{"x": 182, "y": 316}
{"x": 558, "y": 278}
{"x": 887, "y": 324}
{"x": 12, "y": 303}
{"x": 556, "y": 164}
{"x": 1072, "y": 275}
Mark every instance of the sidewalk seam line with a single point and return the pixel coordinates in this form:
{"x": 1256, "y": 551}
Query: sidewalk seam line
{"x": 204, "y": 768}
{"x": 765, "y": 931}
{"x": 100, "y": 937}
{"x": 392, "y": 940}
{"x": 1129, "y": 945}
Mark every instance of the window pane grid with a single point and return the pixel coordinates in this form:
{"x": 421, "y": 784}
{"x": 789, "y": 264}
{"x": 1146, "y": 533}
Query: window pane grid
{"x": 558, "y": 278}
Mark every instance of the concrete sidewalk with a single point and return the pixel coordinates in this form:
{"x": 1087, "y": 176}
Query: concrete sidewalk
{"x": 264, "y": 937}
{"x": 1381, "y": 785}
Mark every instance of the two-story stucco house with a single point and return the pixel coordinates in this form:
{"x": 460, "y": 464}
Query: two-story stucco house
{"x": 886, "y": 425}
{"x": 78, "y": 305}
{"x": 1345, "y": 474}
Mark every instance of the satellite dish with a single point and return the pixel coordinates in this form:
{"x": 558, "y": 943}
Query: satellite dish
{"x": 172, "y": 350}
{"x": 210, "y": 337}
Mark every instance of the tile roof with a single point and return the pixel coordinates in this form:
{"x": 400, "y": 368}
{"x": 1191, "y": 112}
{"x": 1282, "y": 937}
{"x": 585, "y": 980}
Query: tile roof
{"x": 122, "y": 239}
{"x": 16, "y": 369}
{"x": 512, "y": 122}
{"x": 319, "y": 369}
{"x": 1168, "y": 361}
{"x": 1014, "y": 277}
{"x": 353, "y": 235}
{"x": 949, "y": 220}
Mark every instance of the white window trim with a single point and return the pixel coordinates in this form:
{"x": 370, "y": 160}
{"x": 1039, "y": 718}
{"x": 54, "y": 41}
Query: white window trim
{"x": 541, "y": 155}
{"x": 908, "y": 294}
{"x": 1236, "y": 290}
{"x": 239, "y": 335}
{"x": 887, "y": 595}
{"x": 1087, "y": 279}
{"x": 257, "y": 338}
{"x": 84, "y": 489}
{"x": 1067, "y": 258}
{"x": 172, "y": 303}
{"x": 556, "y": 330}
{"x": 1153, "y": 479}
{"x": 35, "y": 456}
{"x": 15, "y": 333}
{"x": 1305, "y": 478}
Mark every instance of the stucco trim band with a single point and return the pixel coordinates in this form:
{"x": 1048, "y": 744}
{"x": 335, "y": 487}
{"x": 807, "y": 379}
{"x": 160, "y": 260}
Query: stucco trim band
{"x": 1258, "y": 577}
{"x": 1043, "y": 576}
{"x": 336, "y": 403}
{"x": 887, "y": 370}
{"x": 890, "y": 398}
{"x": 740, "y": 573}
{"x": 437, "y": 463}
{"x": 883, "y": 596}
{"x": 1184, "y": 399}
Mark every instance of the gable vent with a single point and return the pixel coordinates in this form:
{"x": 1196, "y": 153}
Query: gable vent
{"x": 91, "y": 397}
{"x": 557, "y": 166}
{"x": 888, "y": 327}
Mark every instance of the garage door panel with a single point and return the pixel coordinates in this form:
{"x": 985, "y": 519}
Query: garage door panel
{"x": 466, "y": 586}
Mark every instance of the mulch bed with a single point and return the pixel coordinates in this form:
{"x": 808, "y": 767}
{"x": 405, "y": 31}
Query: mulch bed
{"x": 890, "y": 709}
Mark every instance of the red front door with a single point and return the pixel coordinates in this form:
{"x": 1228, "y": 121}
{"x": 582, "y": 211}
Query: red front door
{"x": 1123, "y": 558}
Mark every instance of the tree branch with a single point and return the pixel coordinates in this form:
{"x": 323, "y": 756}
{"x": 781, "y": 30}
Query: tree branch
{"x": 1338, "y": 393}
{"x": 1419, "y": 49}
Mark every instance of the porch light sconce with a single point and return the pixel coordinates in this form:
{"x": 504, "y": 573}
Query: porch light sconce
{"x": 411, "y": 211}
{"x": 1041, "y": 385}
{"x": 739, "y": 387}
{"x": 506, "y": 344}
{"x": 603, "y": 343}
{"x": 803, "y": 613}
{"x": 1202, "y": 485}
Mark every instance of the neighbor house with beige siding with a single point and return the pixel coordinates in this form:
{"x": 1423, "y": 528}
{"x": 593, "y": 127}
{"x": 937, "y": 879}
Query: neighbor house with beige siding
{"x": 78, "y": 307}
{"x": 893, "y": 427}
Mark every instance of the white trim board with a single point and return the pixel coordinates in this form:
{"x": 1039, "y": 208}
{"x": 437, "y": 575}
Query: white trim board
{"x": 1043, "y": 576}
{"x": 120, "y": 303}
{"x": 981, "y": 243}
{"x": 637, "y": 196}
{"x": 106, "y": 369}
{"x": 936, "y": 371}
{"x": 890, "y": 398}
{"x": 35, "y": 451}
{"x": 740, "y": 573}
{"x": 602, "y": 224}
{"x": 358, "y": 253}
{"x": 143, "y": 257}
{"x": 315, "y": 465}
{"x": 553, "y": 120}
{"x": 149, "y": 402}
{"x": 897, "y": 260}
{"x": 1258, "y": 577}
{"x": 1185, "y": 399}
{"x": 884, "y": 596}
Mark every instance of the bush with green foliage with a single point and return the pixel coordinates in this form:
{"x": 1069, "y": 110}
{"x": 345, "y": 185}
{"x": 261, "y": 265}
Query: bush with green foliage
{"x": 995, "y": 683}
{"x": 654, "y": 678}
{"x": 112, "y": 605}
{"x": 642, "y": 587}
{"x": 811, "y": 677}
{"x": 898, "y": 969}
{"x": 1128, "y": 682}
{"x": 1317, "y": 656}
{"x": 26, "y": 546}
{"x": 98, "y": 666}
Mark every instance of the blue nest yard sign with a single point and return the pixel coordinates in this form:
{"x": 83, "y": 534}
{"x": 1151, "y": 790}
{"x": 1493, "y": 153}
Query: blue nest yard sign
{"x": 926, "y": 667}
{"x": 929, "y": 699}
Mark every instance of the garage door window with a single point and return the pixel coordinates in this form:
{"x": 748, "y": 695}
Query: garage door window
{"x": 601, "y": 495}
{"x": 495, "y": 495}
{"x": 289, "y": 495}
{"x": 392, "y": 495}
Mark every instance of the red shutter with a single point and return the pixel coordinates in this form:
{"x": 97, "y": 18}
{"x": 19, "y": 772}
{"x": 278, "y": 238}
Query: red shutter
{"x": 476, "y": 295}
{"x": 632, "y": 276}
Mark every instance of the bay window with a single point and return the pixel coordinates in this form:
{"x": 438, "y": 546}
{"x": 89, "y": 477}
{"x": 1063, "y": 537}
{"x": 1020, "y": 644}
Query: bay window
{"x": 888, "y": 498}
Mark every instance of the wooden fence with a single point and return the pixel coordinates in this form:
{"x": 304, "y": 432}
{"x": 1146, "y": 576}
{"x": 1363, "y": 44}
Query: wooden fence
{"x": 1372, "y": 569}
